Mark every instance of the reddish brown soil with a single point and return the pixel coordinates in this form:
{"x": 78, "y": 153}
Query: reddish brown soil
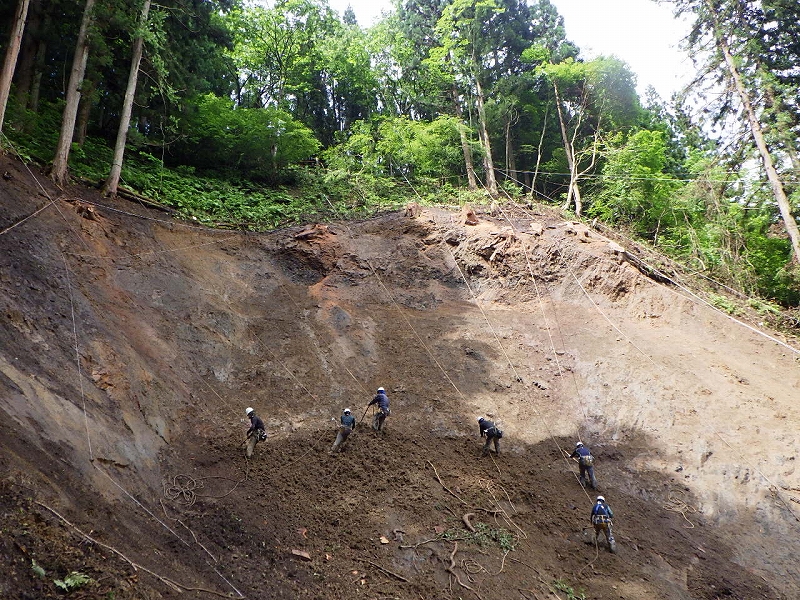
{"x": 179, "y": 328}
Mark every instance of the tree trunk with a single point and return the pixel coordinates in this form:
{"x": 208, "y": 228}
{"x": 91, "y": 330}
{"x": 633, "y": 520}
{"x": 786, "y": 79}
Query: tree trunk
{"x": 84, "y": 110}
{"x": 488, "y": 163}
{"x": 112, "y": 183}
{"x": 11, "y": 57}
{"x": 26, "y": 62}
{"x": 758, "y": 135}
{"x": 511, "y": 165}
{"x": 58, "y": 172}
{"x": 472, "y": 182}
{"x": 36, "y": 84}
{"x": 539, "y": 152}
{"x": 573, "y": 191}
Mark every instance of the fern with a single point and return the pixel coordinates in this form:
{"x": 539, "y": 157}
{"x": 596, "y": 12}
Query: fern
{"x": 73, "y": 581}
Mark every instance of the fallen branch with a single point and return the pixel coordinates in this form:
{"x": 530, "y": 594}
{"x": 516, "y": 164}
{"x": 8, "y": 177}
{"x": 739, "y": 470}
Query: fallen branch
{"x": 522, "y": 562}
{"x": 418, "y": 544}
{"x": 448, "y": 490}
{"x": 436, "y": 539}
{"x": 503, "y": 563}
{"x": 451, "y": 511}
{"x": 385, "y": 570}
{"x": 466, "y": 518}
{"x": 492, "y": 512}
{"x": 451, "y": 569}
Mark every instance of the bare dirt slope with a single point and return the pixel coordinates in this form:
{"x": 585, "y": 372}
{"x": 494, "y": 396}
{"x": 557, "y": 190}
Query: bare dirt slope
{"x": 131, "y": 345}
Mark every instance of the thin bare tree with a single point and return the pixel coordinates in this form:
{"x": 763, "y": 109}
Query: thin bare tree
{"x": 483, "y": 136}
{"x": 112, "y": 183}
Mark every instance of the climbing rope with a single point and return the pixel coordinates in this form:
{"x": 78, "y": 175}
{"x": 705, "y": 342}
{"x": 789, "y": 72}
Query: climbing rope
{"x": 677, "y": 504}
{"x": 182, "y": 489}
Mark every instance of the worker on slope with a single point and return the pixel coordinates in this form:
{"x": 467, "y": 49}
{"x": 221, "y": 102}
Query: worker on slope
{"x": 585, "y": 463}
{"x": 602, "y": 516}
{"x": 382, "y": 400}
{"x": 348, "y": 423}
{"x": 256, "y": 433}
{"x": 492, "y": 434}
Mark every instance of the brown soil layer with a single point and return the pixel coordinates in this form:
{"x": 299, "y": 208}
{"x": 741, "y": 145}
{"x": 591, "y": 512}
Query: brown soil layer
{"x": 131, "y": 344}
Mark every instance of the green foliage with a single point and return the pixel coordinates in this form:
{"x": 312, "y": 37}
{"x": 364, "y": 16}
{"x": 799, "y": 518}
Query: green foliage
{"x": 33, "y": 135}
{"x": 723, "y": 303}
{"x": 536, "y": 54}
{"x": 37, "y": 570}
{"x": 636, "y": 191}
{"x": 400, "y": 147}
{"x": 775, "y": 277}
{"x": 763, "y": 307}
{"x": 484, "y": 536}
{"x": 210, "y": 200}
{"x": 563, "y": 586}
{"x": 73, "y": 581}
{"x": 259, "y": 142}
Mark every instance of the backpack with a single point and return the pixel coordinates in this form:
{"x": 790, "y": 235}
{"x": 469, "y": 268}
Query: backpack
{"x": 600, "y": 514}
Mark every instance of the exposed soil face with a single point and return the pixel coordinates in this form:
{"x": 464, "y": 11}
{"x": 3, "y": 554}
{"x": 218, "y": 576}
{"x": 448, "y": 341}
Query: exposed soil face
{"x": 131, "y": 345}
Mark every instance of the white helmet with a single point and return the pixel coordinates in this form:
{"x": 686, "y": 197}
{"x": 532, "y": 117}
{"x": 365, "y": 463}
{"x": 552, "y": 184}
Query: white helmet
{"x": 248, "y": 411}
{"x": 579, "y": 445}
{"x": 346, "y": 411}
{"x": 380, "y": 389}
{"x": 601, "y": 499}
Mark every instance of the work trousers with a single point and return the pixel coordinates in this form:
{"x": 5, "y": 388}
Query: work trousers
{"x": 378, "y": 419}
{"x": 605, "y": 529}
{"x": 489, "y": 440}
{"x": 587, "y": 471}
{"x": 254, "y": 438}
{"x": 341, "y": 438}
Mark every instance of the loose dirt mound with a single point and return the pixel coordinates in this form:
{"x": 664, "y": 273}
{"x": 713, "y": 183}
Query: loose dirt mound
{"x": 131, "y": 345}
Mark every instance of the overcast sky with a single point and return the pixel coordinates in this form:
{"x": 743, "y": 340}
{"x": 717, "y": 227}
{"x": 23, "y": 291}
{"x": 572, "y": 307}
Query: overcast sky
{"x": 640, "y": 32}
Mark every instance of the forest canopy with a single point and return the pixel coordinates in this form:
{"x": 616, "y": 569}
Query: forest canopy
{"x": 289, "y": 109}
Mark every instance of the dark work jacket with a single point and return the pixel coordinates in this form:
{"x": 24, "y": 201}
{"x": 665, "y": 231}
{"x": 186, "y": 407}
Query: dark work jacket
{"x": 255, "y": 424}
{"x": 488, "y": 428}
{"x": 582, "y": 451}
{"x": 382, "y": 400}
{"x": 349, "y": 421}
